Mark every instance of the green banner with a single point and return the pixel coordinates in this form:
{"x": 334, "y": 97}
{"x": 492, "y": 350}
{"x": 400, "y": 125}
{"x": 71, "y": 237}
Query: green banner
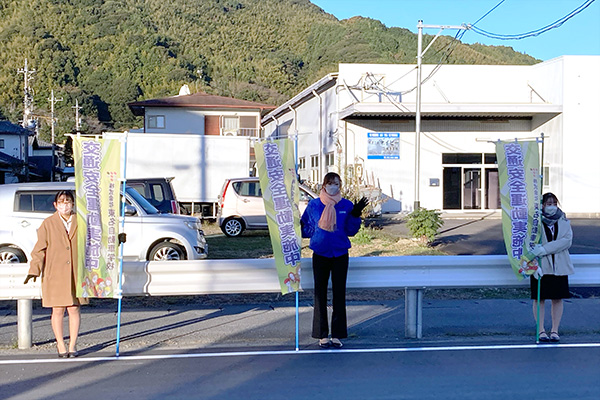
{"x": 279, "y": 185}
{"x": 518, "y": 169}
{"x": 97, "y": 176}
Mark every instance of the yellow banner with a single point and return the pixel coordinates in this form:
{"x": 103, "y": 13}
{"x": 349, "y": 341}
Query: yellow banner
{"x": 97, "y": 176}
{"x": 279, "y": 185}
{"x": 518, "y": 169}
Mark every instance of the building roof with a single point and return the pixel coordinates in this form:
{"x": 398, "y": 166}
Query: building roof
{"x": 318, "y": 87}
{"x": 9, "y": 127}
{"x": 198, "y": 100}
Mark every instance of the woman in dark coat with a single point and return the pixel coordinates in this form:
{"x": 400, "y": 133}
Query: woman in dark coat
{"x": 54, "y": 257}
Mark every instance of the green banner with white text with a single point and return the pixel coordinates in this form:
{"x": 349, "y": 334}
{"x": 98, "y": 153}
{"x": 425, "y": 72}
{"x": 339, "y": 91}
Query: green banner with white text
{"x": 97, "y": 176}
{"x": 279, "y": 185}
{"x": 519, "y": 173}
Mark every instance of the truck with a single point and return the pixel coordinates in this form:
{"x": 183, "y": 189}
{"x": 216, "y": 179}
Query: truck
{"x": 199, "y": 163}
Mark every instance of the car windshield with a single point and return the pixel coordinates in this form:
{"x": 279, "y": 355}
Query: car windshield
{"x": 141, "y": 201}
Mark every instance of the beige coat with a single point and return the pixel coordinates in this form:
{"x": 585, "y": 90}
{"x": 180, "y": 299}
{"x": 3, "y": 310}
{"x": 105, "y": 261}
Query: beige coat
{"x": 54, "y": 258}
{"x": 558, "y": 250}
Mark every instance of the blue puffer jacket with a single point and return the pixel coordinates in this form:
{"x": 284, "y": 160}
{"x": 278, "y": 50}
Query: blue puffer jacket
{"x": 329, "y": 244}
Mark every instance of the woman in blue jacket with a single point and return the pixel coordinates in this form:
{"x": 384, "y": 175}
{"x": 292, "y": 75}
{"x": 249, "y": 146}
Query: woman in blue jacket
{"x": 328, "y": 221}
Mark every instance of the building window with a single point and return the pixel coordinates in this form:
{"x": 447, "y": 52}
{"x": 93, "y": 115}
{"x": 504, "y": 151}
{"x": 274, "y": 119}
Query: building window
{"x": 1, "y": 143}
{"x": 329, "y": 159}
{"x": 231, "y": 125}
{"x": 156, "y": 121}
{"x": 314, "y": 161}
{"x": 302, "y": 163}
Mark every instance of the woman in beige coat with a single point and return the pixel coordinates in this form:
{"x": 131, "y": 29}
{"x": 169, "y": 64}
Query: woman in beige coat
{"x": 54, "y": 257}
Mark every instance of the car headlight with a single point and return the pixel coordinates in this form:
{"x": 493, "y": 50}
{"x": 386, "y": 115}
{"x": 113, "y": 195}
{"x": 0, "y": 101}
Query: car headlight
{"x": 196, "y": 225}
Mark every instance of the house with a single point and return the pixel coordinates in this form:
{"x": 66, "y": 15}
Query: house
{"x": 15, "y": 165}
{"x": 361, "y": 123}
{"x": 203, "y": 114}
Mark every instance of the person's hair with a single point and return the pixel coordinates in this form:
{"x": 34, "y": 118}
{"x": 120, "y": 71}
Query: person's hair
{"x": 547, "y": 196}
{"x": 330, "y": 177}
{"x": 66, "y": 193}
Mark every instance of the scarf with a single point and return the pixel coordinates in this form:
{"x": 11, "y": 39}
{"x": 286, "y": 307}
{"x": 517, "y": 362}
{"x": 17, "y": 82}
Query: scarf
{"x": 551, "y": 219}
{"x": 328, "y": 218}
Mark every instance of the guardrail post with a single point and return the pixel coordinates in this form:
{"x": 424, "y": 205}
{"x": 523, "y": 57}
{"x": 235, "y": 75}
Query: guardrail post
{"x": 413, "y": 313}
{"x": 24, "y": 322}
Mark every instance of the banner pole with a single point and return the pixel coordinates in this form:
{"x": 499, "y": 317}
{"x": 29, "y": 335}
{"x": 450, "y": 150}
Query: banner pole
{"x": 297, "y": 325}
{"x": 120, "y": 291}
{"x": 539, "y": 285}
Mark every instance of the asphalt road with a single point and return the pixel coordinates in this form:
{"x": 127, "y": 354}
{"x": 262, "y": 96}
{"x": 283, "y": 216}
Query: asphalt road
{"x": 526, "y": 373}
{"x": 483, "y": 236}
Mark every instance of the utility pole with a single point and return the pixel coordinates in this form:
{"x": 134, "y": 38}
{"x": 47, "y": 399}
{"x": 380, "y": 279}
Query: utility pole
{"x": 77, "y": 119}
{"x": 53, "y": 100}
{"x": 420, "y": 54}
{"x": 28, "y": 121}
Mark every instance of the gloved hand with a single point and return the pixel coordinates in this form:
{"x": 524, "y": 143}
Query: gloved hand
{"x": 538, "y": 250}
{"x": 359, "y": 206}
{"x": 28, "y": 278}
{"x": 538, "y": 273}
{"x": 122, "y": 237}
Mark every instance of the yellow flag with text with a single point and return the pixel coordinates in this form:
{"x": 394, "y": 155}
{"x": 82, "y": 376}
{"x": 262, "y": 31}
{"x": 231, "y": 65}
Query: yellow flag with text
{"x": 519, "y": 173}
{"x": 97, "y": 176}
{"x": 279, "y": 186}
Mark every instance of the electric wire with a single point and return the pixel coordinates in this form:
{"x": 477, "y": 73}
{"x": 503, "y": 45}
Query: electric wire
{"x": 556, "y": 24}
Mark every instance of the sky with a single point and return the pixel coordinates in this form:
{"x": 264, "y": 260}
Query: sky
{"x": 580, "y": 35}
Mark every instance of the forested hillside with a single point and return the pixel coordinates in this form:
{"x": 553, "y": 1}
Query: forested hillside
{"x": 107, "y": 53}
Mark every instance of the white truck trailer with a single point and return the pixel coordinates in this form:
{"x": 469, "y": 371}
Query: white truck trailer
{"x": 199, "y": 163}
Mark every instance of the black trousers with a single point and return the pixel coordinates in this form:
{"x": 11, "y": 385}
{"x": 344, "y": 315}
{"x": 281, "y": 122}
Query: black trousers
{"x": 323, "y": 267}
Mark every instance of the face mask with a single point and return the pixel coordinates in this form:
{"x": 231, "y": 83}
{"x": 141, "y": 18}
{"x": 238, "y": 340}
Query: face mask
{"x": 332, "y": 190}
{"x": 550, "y": 210}
{"x": 64, "y": 208}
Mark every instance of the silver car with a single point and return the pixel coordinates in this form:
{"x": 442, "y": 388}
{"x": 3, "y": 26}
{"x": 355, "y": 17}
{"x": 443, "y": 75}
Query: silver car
{"x": 241, "y": 205}
{"x": 150, "y": 235}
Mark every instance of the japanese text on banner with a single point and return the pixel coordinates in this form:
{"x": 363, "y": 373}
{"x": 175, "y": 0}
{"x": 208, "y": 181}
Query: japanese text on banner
{"x": 97, "y": 175}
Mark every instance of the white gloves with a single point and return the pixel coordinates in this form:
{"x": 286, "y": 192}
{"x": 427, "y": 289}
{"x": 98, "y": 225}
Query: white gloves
{"x": 538, "y": 273}
{"x": 538, "y": 250}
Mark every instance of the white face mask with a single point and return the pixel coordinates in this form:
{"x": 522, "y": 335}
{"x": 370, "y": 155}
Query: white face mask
{"x": 332, "y": 189}
{"x": 550, "y": 210}
{"x": 64, "y": 208}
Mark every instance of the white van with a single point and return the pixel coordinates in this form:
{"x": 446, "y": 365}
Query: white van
{"x": 241, "y": 205}
{"x": 150, "y": 235}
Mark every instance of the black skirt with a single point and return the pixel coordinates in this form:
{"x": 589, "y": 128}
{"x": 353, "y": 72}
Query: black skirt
{"x": 552, "y": 287}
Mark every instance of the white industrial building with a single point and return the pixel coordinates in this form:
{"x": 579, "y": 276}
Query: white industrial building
{"x": 361, "y": 121}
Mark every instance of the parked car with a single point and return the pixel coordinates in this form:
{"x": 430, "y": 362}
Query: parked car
{"x": 241, "y": 205}
{"x": 150, "y": 235}
{"x": 158, "y": 191}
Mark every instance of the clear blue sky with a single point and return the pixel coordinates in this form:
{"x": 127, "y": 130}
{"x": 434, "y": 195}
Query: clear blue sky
{"x": 510, "y": 18}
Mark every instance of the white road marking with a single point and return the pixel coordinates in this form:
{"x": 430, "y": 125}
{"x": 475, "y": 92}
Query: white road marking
{"x": 123, "y": 358}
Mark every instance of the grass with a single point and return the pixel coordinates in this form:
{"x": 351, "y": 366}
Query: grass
{"x": 369, "y": 242}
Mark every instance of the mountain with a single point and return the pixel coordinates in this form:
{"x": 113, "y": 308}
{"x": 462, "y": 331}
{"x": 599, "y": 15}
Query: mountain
{"x": 106, "y": 53}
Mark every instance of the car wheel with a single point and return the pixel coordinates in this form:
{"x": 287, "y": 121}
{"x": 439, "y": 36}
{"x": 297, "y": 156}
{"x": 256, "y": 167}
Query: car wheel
{"x": 233, "y": 227}
{"x": 12, "y": 255}
{"x": 167, "y": 251}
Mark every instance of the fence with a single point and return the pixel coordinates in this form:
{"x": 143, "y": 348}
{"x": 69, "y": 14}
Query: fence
{"x": 412, "y": 273}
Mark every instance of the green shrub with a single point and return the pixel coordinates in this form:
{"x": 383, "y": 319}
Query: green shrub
{"x": 424, "y": 224}
{"x": 364, "y": 236}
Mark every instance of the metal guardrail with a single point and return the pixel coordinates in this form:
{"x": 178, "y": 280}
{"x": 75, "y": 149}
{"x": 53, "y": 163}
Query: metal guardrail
{"x": 412, "y": 273}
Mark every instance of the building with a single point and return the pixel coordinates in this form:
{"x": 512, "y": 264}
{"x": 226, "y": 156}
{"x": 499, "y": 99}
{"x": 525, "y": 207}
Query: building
{"x": 360, "y": 122}
{"x": 14, "y": 152}
{"x": 203, "y": 114}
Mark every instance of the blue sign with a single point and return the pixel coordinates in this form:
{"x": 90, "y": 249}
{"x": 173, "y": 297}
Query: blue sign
{"x": 383, "y": 146}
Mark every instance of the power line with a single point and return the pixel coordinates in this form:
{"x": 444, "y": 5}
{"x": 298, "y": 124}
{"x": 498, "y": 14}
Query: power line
{"x": 553, "y": 25}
